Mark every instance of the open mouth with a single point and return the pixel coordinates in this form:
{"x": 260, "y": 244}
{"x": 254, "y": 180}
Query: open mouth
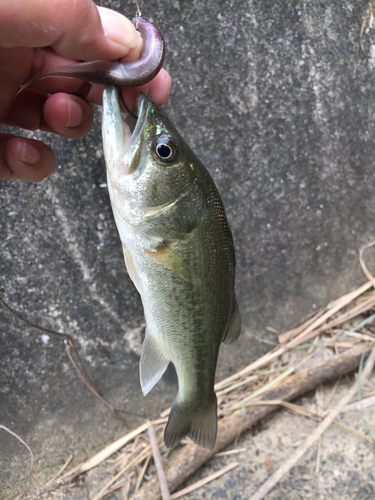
{"x": 133, "y": 128}
{"x": 135, "y": 120}
{"x": 122, "y": 134}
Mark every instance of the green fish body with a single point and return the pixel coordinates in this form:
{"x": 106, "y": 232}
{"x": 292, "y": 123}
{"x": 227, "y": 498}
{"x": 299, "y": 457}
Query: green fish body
{"x": 179, "y": 253}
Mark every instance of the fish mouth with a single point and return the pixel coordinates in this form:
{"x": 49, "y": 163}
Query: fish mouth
{"x": 136, "y": 121}
{"x": 123, "y": 134}
{"x": 123, "y": 140}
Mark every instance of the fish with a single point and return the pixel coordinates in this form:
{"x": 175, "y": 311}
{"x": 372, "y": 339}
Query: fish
{"x": 179, "y": 253}
{"x": 121, "y": 73}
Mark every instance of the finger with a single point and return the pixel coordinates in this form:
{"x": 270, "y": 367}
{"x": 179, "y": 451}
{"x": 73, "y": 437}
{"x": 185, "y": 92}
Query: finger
{"x": 160, "y": 88}
{"x": 74, "y": 29}
{"x": 60, "y": 113}
{"x": 34, "y": 110}
{"x": 67, "y": 115}
{"x": 64, "y": 114}
{"x": 25, "y": 159}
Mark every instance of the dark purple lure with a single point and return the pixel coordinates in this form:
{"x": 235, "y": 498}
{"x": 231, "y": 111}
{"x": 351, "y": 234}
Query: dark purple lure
{"x": 121, "y": 74}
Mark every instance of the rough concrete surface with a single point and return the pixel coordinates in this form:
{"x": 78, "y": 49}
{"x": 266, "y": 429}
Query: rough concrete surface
{"x": 277, "y": 99}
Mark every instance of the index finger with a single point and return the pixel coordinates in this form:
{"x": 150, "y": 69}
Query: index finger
{"x": 74, "y": 29}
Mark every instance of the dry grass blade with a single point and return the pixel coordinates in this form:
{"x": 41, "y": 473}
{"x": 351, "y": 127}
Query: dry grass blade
{"x": 283, "y": 337}
{"x": 364, "y": 403}
{"x": 259, "y": 363}
{"x": 339, "y": 304}
{"x": 369, "y": 15}
{"x": 361, "y": 260}
{"x": 158, "y": 463}
{"x": 230, "y": 452}
{"x": 126, "y": 488}
{"x": 25, "y": 444}
{"x": 109, "y": 450}
{"x": 237, "y": 386}
{"x": 204, "y": 481}
{"x": 128, "y": 466}
{"x": 31, "y": 456}
{"x": 352, "y": 313}
{"x": 301, "y": 450}
{"x": 306, "y": 334}
{"x": 300, "y": 410}
{"x": 331, "y": 394}
{"x": 141, "y": 474}
{"x": 262, "y": 390}
{"x": 51, "y": 481}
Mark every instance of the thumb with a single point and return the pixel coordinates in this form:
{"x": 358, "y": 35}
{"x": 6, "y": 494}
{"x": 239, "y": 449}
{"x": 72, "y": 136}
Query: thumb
{"x": 75, "y": 30}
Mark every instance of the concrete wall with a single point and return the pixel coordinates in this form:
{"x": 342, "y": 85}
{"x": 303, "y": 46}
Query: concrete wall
{"x": 277, "y": 99}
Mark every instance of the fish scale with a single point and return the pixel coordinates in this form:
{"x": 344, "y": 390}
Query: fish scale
{"x": 179, "y": 252}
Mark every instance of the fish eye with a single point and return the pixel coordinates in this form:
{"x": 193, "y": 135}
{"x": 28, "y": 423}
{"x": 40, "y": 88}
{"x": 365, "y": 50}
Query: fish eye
{"x": 165, "y": 149}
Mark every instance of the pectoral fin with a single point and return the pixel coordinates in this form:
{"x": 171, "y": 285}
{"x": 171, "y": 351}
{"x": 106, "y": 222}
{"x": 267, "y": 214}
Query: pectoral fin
{"x": 165, "y": 256}
{"x": 153, "y": 364}
{"x": 234, "y": 328}
{"x": 133, "y": 273}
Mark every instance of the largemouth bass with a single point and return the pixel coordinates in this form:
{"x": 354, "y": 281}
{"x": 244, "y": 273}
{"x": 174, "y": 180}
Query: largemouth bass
{"x": 179, "y": 253}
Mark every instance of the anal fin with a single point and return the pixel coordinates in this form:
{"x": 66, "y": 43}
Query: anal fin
{"x": 152, "y": 365}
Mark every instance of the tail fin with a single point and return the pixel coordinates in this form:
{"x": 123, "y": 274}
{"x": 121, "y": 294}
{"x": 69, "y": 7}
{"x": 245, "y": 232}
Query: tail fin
{"x": 198, "y": 423}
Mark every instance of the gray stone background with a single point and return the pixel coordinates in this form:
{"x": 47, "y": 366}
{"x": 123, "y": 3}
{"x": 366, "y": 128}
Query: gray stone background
{"x": 277, "y": 99}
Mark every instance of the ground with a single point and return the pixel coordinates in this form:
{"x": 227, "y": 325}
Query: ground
{"x": 340, "y": 466}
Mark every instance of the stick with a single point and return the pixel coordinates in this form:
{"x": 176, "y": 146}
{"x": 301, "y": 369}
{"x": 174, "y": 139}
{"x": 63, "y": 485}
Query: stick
{"x": 204, "y": 481}
{"x": 301, "y": 450}
{"x": 192, "y": 457}
{"x": 158, "y": 463}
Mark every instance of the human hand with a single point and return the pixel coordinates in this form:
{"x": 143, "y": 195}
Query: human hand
{"x": 36, "y": 35}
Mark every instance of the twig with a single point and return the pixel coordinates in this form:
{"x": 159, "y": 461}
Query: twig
{"x": 204, "y": 481}
{"x": 31, "y": 455}
{"x": 79, "y": 366}
{"x": 158, "y": 463}
{"x": 301, "y": 450}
